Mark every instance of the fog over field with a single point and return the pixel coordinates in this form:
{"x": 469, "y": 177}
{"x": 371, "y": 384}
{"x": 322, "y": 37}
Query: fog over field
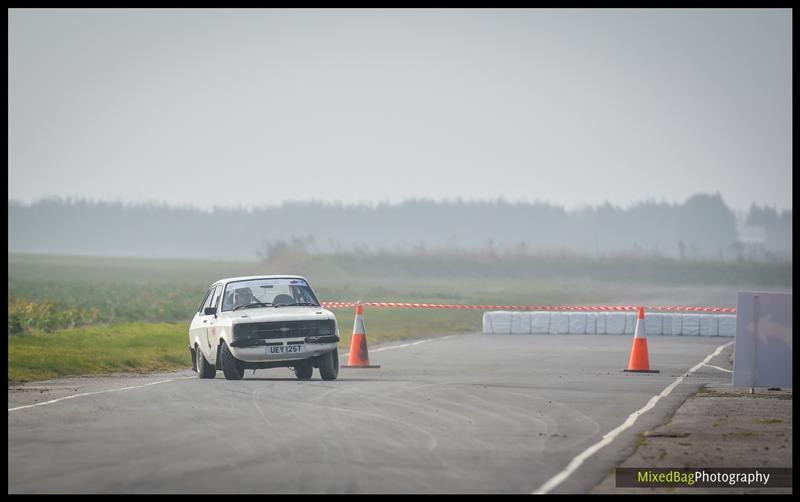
{"x": 396, "y": 146}
{"x": 703, "y": 227}
{"x": 245, "y": 108}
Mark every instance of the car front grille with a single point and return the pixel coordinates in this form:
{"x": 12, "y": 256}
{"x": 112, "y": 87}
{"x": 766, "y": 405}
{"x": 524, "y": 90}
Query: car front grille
{"x": 285, "y": 329}
{"x": 254, "y": 333}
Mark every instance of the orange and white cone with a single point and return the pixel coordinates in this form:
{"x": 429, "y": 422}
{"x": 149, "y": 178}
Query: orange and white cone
{"x": 640, "y": 361}
{"x": 359, "y": 356}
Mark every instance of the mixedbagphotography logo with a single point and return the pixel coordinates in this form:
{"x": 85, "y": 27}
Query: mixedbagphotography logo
{"x": 703, "y": 477}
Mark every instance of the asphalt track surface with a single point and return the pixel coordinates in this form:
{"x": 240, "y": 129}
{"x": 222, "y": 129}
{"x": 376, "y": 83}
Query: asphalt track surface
{"x": 459, "y": 414}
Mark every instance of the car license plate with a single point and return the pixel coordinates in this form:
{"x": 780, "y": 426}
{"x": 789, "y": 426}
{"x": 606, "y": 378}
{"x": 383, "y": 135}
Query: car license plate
{"x": 285, "y": 349}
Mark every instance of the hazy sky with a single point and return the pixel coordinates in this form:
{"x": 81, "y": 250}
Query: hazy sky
{"x": 253, "y": 107}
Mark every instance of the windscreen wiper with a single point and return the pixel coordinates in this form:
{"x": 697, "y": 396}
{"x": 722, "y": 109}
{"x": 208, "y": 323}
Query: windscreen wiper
{"x": 265, "y": 304}
{"x": 309, "y": 304}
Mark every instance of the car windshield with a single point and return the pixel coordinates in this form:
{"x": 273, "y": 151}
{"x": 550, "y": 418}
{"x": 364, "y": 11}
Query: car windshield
{"x": 267, "y": 293}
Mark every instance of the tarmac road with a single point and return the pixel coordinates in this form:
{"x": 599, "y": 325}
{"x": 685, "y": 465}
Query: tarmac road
{"x": 459, "y": 414}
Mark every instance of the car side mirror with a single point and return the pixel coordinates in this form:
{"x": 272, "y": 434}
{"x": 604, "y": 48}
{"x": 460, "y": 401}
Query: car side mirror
{"x": 210, "y": 311}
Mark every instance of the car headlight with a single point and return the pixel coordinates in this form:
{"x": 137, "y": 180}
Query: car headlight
{"x": 326, "y": 327}
{"x": 241, "y": 331}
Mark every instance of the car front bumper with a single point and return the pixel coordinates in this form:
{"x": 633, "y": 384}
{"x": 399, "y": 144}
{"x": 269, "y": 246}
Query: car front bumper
{"x": 260, "y": 353}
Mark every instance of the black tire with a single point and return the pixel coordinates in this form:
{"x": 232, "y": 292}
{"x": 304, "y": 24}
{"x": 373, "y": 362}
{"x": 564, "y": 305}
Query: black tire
{"x": 329, "y": 365}
{"x": 204, "y": 369}
{"x": 303, "y": 370}
{"x": 231, "y": 367}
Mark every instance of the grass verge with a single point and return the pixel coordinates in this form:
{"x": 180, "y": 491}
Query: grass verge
{"x": 102, "y": 349}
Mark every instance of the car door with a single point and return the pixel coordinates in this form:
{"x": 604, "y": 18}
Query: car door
{"x": 197, "y": 324}
{"x": 212, "y": 334}
{"x": 202, "y": 327}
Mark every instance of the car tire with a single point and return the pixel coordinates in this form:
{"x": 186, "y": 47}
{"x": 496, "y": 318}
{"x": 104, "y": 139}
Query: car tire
{"x": 204, "y": 369}
{"x": 231, "y": 367}
{"x": 303, "y": 370}
{"x": 329, "y": 365}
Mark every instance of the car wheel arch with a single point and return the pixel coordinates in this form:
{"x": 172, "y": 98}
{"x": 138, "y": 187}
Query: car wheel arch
{"x": 196, "y": 343}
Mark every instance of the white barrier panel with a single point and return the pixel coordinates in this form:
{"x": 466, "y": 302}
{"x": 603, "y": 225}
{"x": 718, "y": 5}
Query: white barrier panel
{"x": 540, "y": 322}
{"x": 726, "y": 325}
{"x": 521, "y": 323}
{"x": 691, "y": 325}
{"x": 600, "y": 323}
{"x": 591, "y": 322}
{"x": 559, "y": 323}
{"x": 666, "y": 324}
{"x": 497, "y": 322}
{"x": 677, "y": 324}
{"x": 630, "y": 322}
{"x": 708, "y": 325}
{"x": 615, "y": 323}
{"x": 612, "y": 323}
{"x": 577, "y": 323}
{"x": 652, "y": 323}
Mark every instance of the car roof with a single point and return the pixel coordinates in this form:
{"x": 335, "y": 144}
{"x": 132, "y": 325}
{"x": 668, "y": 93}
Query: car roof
{"x": 253, "y": 277}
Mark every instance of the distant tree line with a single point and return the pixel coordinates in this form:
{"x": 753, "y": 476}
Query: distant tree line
{"x": 702, "y": 227}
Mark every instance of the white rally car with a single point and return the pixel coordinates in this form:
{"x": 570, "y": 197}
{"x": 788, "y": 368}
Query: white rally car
{"x": 263, "y": 322}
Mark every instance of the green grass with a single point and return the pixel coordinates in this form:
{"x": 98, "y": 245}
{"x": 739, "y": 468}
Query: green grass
{"x": 132, "y": 347}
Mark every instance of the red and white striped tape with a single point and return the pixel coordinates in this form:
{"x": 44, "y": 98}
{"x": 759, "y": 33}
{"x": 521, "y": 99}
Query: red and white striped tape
{"x": 568, "y": 308}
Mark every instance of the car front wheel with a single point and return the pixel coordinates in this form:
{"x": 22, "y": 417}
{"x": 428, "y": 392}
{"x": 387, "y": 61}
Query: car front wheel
{"x": 231, "y": 367}
{"x": 303, "y": 370}
{"x": 204, "y": 369}
{"x": 329, "y": 365}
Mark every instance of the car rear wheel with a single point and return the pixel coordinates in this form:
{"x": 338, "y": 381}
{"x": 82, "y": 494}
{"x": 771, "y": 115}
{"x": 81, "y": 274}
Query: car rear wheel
{"x": 204, "y": 369}
{"x": 329, "y": 365}
{"x": 231, "y": 367}
{"x": 303, "y": 370}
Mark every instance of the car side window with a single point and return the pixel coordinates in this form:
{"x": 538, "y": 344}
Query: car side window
{"x": 215, "y": 300}
{"x": 205, "y": 298}
{"x": 208, "y": 301}
{"x": 302, "y": 295}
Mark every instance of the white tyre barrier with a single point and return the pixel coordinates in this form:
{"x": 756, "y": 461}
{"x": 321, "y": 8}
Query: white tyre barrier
{"x": 521, "y": 323}
{"x": 726, "y": 325}
{"x": 666, "y": 323}
{"x": 615, "y": 323}
{"x": 677, "y": 324}
{"x": 540, "y": 323}
{"x": 630, "y": 322}
{"x": 577, "y": 323}
{"x": 559, "y": 323}
{"x": 600, "y": 326}
{"x": 653, "y": 323}
{"x": 497, "y": 322}
{"x": 708, "y": 325}
{"x": 591, "y": 323}
{"x": 691, "y": 325}
{"x": 612, "y": 323}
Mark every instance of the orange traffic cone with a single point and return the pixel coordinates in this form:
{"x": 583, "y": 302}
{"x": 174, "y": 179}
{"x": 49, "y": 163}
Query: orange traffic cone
{"x": 359, "y": 357}
{"x": 640, "y": 361}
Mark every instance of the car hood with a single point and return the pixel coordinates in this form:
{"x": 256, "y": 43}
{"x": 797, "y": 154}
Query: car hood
{"x": 273, "y": 314}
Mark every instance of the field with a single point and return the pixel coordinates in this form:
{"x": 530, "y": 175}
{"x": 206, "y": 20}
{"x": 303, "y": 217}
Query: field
{"x": 88, "y": 315}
